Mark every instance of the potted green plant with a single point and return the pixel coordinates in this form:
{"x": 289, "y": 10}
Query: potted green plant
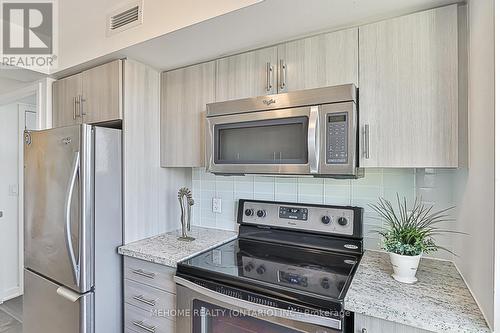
{"x": 409, "y": 232}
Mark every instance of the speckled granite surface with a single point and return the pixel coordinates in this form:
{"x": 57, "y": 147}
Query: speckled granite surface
{"x": 438, "y": 302}
{"x": 166, "y": 249}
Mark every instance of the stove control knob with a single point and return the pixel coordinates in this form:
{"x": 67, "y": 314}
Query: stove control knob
{"x": 261, "y": 213}
{"x": 325, "y": 283}
{"x": 261, "y": 270}
{"x": 249, "y": 267}
{"x": 326, "y": 219}
{"x": 342, "y": 221}
{"x": 249, "y": 212}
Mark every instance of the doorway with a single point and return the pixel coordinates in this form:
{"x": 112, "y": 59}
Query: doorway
{"x": 15, "y": 117}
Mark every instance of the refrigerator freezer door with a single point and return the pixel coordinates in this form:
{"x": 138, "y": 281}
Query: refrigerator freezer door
{"x": 55, "y": 309}
{"x": 58, "y": 205}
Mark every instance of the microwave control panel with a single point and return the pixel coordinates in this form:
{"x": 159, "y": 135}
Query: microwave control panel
{"x": 336, "y": 138}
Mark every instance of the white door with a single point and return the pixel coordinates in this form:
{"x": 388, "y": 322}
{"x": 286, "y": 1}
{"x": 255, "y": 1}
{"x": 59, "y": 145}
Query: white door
{"x": 9, "y": 190}
{"x": 14, "y": 118}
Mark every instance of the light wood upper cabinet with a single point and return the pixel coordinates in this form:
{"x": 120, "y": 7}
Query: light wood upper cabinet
{"x": 319, "y": 61}
{"x": 92, "y": 96}
{"x": 184, "y": 95}
{"x": 408, "y": 90}
{"x": 102, "y": 93}
{"x": 248, "y": 74}
{"x": 65, "y": 109}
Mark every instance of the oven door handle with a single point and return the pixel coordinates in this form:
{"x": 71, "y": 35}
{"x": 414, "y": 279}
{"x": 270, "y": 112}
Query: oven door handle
{"x": 313, "y": 140}
{"x": 260, "y": 308}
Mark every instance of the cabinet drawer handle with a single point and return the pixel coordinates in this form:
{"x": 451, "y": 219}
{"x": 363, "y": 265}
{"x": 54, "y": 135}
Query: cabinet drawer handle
{"x": 147, "y": 328}
{"x": 141, "y": 299}
{"x": 143, "y": 273}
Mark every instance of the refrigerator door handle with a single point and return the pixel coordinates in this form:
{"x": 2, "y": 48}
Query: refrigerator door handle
{"x": 68, "y": 294}
{"x": 67, "y": 205}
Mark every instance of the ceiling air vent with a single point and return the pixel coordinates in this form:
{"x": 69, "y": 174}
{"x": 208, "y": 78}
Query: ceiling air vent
{"x": 124, "y": 18}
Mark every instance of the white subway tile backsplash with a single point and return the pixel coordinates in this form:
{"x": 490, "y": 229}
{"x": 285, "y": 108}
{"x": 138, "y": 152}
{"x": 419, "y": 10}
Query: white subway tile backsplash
{"x": 287, "y": 197}
{"x": 243, "y": 186}
{"x": 434, "y": 185}
{"x": 337, "y": 201}
{"x": 264, "y": 196}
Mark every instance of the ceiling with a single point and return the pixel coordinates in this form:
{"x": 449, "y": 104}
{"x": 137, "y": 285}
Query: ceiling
{"x": 19, "y": 74}
{"x": 263, "y": 24}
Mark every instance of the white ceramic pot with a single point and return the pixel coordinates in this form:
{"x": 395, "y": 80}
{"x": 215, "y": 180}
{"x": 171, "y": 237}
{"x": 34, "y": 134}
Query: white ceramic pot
{"x": 405, "y": 267}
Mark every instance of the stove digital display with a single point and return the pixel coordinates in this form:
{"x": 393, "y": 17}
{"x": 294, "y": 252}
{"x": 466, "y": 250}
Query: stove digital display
{"x": 293, "y": 213}
{"x": 291, "y": 278}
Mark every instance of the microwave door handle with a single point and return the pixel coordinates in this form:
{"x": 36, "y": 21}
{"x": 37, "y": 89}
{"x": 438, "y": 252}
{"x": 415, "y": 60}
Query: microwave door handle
{"x": 260, "y": 308}
{"x": 312, "y": 139}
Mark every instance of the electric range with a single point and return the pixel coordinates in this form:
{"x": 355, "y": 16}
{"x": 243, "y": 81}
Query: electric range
{"x": 288, "y": 271}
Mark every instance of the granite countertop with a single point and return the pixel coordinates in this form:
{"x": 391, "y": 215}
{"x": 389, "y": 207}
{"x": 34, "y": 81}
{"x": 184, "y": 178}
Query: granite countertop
{"x": 166, "y": 249}
{"x": 439, "y": 302}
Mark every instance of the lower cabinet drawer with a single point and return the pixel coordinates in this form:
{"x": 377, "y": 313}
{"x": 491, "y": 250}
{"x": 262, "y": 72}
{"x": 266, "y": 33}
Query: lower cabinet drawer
{"x": 367, "y": 324}
{"x": 158, "y": 276}
{"x": 148, "y": 298}
{"x": 141, "y": 321}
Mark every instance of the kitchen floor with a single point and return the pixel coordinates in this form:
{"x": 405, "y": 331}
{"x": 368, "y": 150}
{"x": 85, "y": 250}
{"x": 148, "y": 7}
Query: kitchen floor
{"x": 11, "y": 313}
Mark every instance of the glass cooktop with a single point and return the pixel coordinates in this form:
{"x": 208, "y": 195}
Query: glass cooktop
{"x": 286, "y": 268}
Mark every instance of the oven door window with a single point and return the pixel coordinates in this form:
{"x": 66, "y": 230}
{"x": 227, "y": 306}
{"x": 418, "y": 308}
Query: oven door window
{"x": 209, "y": 318}
{"x": 272, "y": 141}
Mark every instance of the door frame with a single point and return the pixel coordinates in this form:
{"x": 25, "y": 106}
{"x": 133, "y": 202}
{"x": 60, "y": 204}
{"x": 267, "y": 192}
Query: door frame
{"x": 14, "y": 98}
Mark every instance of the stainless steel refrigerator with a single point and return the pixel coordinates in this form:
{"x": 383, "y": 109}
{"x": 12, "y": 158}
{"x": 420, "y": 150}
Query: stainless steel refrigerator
{"x": 72, "y": 228}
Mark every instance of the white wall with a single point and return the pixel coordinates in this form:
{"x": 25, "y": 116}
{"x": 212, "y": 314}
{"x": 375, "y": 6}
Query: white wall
{"x": 497, "y": 169}
{"x": 8, "y": 85}
{"x": 475, "y": 190}
{"x": 82, "y": 24}
{"x": 9, "y": 223}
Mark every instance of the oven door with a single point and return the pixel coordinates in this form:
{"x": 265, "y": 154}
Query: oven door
{"x": 202, "y": 310}
{"x": 267, "y": 142}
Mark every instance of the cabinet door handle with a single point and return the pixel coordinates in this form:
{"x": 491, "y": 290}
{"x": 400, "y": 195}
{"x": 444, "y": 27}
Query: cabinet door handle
{"x": 74, "y": 108}
{"x": 269, "y": 77}
{"x": 147, "y": 328}
{"x": 78, "y": 106}
{"x": 364, "y": 330}
{"x": 282, "y": 74}
{"x": 366, "y": 141}
{"x": 141, "y": 299}
{"x": 81, "y": 100}
{"x": 141, "y": 272}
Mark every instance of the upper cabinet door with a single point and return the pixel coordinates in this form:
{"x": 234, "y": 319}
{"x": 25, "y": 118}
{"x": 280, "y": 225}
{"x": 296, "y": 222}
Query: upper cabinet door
{"x": 65, "y": 107}
{"x": 185, "y": 93}
{"x": 319, "y": 61}
{"x": 247, "y": 75}
{"x": 408, "y": 90}
{"x": 102, "y": 93}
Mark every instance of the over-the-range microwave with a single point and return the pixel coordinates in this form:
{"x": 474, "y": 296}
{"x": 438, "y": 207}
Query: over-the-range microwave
{"x": 310, "y": 132}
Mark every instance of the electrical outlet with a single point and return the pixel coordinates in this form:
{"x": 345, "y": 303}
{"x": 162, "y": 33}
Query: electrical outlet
{"x": 217, "y": 205}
